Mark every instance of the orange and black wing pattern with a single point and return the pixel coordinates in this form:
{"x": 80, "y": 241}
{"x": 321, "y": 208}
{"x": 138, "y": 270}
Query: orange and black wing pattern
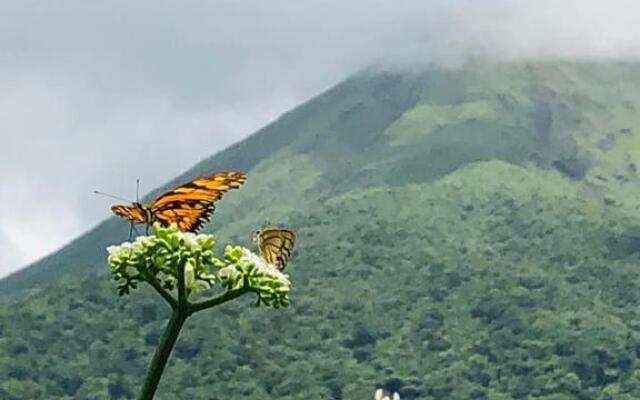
{"x": 191, "y": 205}
{"x": 134, "y": 213}
{"x": 276, "y": 246}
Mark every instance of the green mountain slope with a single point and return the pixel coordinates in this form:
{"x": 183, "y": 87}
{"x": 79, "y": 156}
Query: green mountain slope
{"x": 463, "y": 234}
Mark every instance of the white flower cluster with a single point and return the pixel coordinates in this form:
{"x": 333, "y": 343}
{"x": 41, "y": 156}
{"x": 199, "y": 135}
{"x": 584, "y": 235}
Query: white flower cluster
{"x": 380, "y": 395}
{"x": 245, "y": 267}
{"x": 161, "y": 256}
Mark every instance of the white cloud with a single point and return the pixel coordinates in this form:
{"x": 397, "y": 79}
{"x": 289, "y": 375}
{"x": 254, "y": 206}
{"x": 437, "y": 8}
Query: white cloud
{"x": 31, "y": 226}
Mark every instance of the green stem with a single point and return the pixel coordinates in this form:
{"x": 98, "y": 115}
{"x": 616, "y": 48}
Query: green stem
{"x": 162, "y": 291}
{"x": 182, "y": 290}
{"x": 223, "y": 298}
{"x": 180, "y": 314}
{"x": 161, "y": 356}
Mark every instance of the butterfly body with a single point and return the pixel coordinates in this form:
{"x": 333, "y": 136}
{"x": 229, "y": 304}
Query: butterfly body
{"x": 190, "y": 205}
{"x": 276, "y": 246}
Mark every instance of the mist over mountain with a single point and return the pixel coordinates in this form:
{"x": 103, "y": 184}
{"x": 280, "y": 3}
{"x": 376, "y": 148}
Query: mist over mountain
{"x": 467, "y": 232}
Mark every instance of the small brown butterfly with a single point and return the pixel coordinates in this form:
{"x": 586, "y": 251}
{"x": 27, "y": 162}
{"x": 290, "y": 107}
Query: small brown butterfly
{"x": 190, "y": 205}
{"x": 276, "y": 246}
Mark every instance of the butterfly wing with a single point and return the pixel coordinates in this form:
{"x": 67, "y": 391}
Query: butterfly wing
{"x": 276, "y": 246}
{"x": 133, "y": 213}
{"x": 191, "y": 205}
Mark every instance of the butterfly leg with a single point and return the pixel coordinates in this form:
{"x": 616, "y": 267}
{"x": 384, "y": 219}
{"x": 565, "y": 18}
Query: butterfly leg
{"x": 146, "y": 231}
{"x": 130, "y": 231}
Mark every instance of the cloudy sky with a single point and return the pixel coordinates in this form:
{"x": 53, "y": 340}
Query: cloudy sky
{"x": 96, "y": 94}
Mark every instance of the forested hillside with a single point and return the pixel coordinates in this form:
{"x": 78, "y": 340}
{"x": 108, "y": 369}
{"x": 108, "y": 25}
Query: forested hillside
{"x": 462, "y": 234}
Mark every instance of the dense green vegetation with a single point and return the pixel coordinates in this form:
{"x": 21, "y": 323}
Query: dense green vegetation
{"x": 462, "y": 234}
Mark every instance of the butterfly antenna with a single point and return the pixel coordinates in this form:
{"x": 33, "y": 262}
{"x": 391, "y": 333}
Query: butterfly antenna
{"x": 112, "y": 196}
{"x": 138, "y": 190}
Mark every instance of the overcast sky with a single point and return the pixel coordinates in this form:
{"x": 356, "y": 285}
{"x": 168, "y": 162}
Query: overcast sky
{"x": 96, "y": 94}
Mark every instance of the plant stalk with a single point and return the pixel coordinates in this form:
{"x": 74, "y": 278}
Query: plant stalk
{"x": 161, "y": 356}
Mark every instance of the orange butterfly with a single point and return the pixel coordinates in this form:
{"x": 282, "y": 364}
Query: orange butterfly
{"x": 190, "y": 206}
{"x": 276, "y": 246}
